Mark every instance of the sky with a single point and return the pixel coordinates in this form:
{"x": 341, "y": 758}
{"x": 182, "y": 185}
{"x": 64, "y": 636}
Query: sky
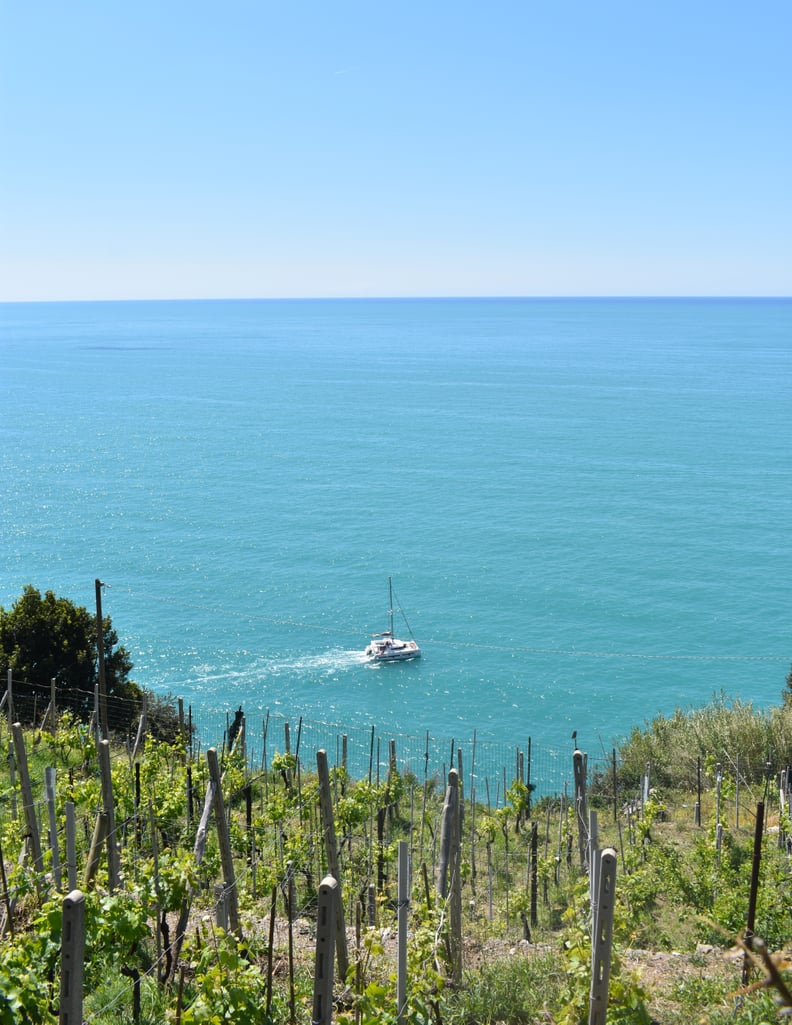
{"x": 175, "y": 149}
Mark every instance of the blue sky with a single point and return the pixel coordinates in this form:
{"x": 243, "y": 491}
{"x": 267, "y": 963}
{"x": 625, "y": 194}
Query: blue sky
{"x": 173, "y": 149}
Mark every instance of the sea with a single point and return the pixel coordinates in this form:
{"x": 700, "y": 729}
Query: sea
{"x": 584, "y": 506}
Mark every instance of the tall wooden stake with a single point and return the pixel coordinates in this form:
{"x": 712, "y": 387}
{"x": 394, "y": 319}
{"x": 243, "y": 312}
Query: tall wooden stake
{"x": 325, "y": 942}
{"x": 101, "y": 654}
{"x": 581, "y": 803}
{"x": 331, "y": 850}
{"x": 49, "y": 783}
{"x": 72, "y": 948}
{"x": 224, "y": 841}
{"x": 754, "y": 890}
{"x": 113, "y": 861}
{"x": 602, "y": 940}
{"x": 27, "y": 800}
{"x": 403, "y": 907}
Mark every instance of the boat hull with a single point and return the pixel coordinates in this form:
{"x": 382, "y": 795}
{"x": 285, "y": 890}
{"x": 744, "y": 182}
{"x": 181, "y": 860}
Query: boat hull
{"x": 392, "y": 651}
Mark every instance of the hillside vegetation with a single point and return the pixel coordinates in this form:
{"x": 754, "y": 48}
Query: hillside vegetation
{"x": 679, "y": 809}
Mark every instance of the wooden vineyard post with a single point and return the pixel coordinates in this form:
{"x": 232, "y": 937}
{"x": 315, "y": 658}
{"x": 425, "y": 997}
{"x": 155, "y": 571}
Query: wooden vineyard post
{"x": 140, "y": 739}
{"x": 754, "y": 890}
{"x": 12, "y": 778}
{"x": 49, "y": 783}
{"x": 10, "y": 696}
{"x": 8, "y": 921}
{"x": 402, "y": 912}
{"x": 534, "y": 875}
{"x": 602, "y": 940}
{"x": 718, "y": 823}
{"x": 325, "y": 952}
{"x": 72, "y": 949}
{"x": 180, "y": 706}
{"x": 113, "y": 864}
{"x": 447, "y": 832}
{"x": 224, "y": 841}
{"x": 95, "y": 851}
{"x": 102, "y": 685}
{"x": 581, "y": 803}
{"x": 331, "y": 850}
{"x": 449, "y": 881}
{"x": 615, "y": 786}
{"x": 593, "y": 856}
{"x": 28, "y": 806}
{"x": 198, "y": 852}
{"x": 71, "y": 846}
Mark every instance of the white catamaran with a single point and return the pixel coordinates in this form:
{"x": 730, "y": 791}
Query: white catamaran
{"x": 384, "y": 647}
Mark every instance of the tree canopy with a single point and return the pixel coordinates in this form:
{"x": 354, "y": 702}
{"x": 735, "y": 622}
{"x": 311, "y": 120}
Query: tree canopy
{"x": 46, "y": 638}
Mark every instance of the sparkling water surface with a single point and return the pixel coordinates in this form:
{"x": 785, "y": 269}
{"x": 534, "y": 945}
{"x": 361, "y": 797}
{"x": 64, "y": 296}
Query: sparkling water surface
{"x": 584, "y": 504}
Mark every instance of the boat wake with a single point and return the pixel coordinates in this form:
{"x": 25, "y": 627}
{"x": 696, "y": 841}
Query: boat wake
{"x": 326, "y": 663}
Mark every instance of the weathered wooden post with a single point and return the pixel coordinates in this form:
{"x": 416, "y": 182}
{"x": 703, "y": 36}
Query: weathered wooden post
{"x": 49, "y": 784}
{"x": 593, "y": 857}
{"x": 534, "y": 875}
{"x": 140, "y": 739}
{"x": 71, "y": 845}
{"x": 447, "y": 832}
{"x": 180, "y": 706}
{"x": 101, "y": 684}
{"x": 449, "y": 883}
{"x": 754, "y": 890}
{"x": 72, "y": 950}
{"x": 198, "y": 852}
{"x": 12, "y": 780}
{"x": 331, "y": 851}
{"x": 325, "y": 952}
{"x": 10, "y": 695}
{"x": 8, "y": 904}
{"x": 402, "y": 912}
{"x": 113, "y": 861}
{"x": 581, "y": 803}
{"x": 718, "y": 823}
{"x": 221, "y": 906}
{"x": 602, "y": 940}
{"x": 645, "y": 788}
{"x": 224, "y": 841}
{"x": 28, "y": 806}
{"x": 95, "y": 851}
{"x": 53, "y": 710}
{"x": 615, "y": 786}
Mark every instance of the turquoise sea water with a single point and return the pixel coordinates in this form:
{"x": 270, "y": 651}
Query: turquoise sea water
{"x": 584, "y": 504}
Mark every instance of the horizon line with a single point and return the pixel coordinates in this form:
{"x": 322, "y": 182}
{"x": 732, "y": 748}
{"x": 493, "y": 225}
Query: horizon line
{"x": 409, "y": 298}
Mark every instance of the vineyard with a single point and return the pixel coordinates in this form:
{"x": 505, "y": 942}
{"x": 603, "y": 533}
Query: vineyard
{"x": 152, "y": 881}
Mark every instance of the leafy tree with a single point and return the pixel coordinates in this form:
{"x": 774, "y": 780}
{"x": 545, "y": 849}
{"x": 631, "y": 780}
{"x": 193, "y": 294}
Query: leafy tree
{"x": 45, "y": 638}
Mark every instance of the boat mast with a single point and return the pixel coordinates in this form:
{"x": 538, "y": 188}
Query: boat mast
{"x": 390, "y": 604}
